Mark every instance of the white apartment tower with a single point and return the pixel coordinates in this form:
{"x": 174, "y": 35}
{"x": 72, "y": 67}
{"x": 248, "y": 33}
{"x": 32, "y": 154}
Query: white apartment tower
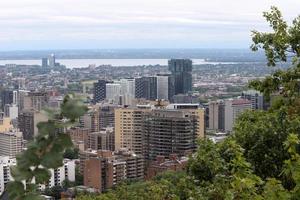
{"x": 162, "y": 87}
{"x": 233, "y": 108}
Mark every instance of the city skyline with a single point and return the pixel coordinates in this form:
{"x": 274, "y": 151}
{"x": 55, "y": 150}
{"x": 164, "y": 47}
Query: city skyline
{"x": 40, "y": 25}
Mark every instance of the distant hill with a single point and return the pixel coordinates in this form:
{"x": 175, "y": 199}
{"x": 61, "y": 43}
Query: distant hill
{"x": 219, "y": 55}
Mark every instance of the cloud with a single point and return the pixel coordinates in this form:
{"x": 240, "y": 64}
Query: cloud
{"x": 62, "y": 22}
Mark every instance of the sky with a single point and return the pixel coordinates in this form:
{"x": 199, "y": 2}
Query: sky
{"x": 112, "y": 24}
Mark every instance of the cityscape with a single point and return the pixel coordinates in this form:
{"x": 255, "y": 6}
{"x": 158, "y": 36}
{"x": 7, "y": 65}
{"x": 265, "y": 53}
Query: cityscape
{"x": 153, "y": 123}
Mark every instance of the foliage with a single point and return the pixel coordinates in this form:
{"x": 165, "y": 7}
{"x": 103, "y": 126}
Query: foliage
{"x": 45, "y": 151}
{"x": 71, "y": 153}
{"x": 54, "y": 191}
{"x": 78, "y": 176}
{"x": 279, "y": 45}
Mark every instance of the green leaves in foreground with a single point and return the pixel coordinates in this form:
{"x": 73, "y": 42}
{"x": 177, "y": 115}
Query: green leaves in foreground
{"x": 44, "y": 152}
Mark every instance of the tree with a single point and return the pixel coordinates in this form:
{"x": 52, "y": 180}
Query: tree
{"x": 262, "y": 133}
{"x": 45, "y": 151}
{"x": 71, "y": 153}
{"x": 281, "y": 45}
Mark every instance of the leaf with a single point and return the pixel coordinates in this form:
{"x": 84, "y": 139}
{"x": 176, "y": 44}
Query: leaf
{"x": 46, "y": 128}
{"x": 15, "y": 190}
{"x": 42, "y": 175}
{"x": 52, "y": 160}
{"x": 33, "y": 197}
{"x": 19, "y": 174}
{"x": 64, "y": 140}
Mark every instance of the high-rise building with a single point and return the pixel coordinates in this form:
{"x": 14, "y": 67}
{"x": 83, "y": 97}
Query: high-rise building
{"x": 79, "y": 137}
{"x": 36, "y": 101}
{"x": 162, "y": 86}
{"x": 233, "y": 108}
{"x": 181, "y": 70}
{"x": 102, "y": 172}
{"x": 217, "y": 115}
{"x": 127, "y": 90}
{"x": 99, "y": 91}
{"x": 52, "y": 60}
{"x": 11, "y": 143}
{"x": 113, "y": 92}
{"x": 5, "y": 176}
{"x": 27, "y": 123}
{"x": 128, "y": 128}
{"x": 91, "y": 120}
{"x": 7, "y": 97}
{"x": 63, "y": 173}
{"x": 134, "y": 164}
{"x": 11, "y": 111}
{"x": 107, "y": 115}
{"x": 102, "y": 140}
{"x": 44, "y": 62}
{"x": 146, "y": 87}
{"x": 106, "y": 169}
{"x": 257, "y": 99}
{"x": 172, "y": 130}
{"x": 5, "y": 123}
{"x": 21, "y": 99}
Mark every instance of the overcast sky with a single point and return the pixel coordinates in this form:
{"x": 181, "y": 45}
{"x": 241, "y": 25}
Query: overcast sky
{"x": 90, "y": 24}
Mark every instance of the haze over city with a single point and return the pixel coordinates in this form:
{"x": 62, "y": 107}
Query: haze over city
{"x": 94, "y": 24}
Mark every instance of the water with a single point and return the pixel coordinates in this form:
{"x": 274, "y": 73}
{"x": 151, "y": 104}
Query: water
{"x": 78, "y": 63}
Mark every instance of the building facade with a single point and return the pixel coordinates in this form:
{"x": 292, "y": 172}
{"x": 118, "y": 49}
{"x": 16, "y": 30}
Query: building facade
{"x": 217, "y": 115}
{"x": 174, "y": 130}
{"x": 99, "y": 91}
{"x": 11, "y": 143}
{"x": 181, "y": 70}
{"x": 233, "y": 108}
{"x": 146, "y": 88}
{"x": 128, "y": 128}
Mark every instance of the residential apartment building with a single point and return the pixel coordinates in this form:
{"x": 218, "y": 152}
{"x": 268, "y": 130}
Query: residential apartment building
{"x": 233, "y": 108}
{"x": 217, "y": 115}
{"x": 172, "y": 130}
{"x": 11, "y": 143}
{"x": 128, "y": 128}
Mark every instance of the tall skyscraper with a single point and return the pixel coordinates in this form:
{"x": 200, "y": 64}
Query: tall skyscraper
{"x": 44, "y": 62}
{"x": 162, "y": 86}
{"x": 173, "y": 130}
{"x": 113, "y": 92}
{"x": 217, "y": 115}
{"x": 52, "y": 60}
{"x": 146, "y": 87}
{"x": 181, "y": 70}
{"x": 127, "y": 90}
{"x": 99, "y": 91}
{"x": 7, "y": 97}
